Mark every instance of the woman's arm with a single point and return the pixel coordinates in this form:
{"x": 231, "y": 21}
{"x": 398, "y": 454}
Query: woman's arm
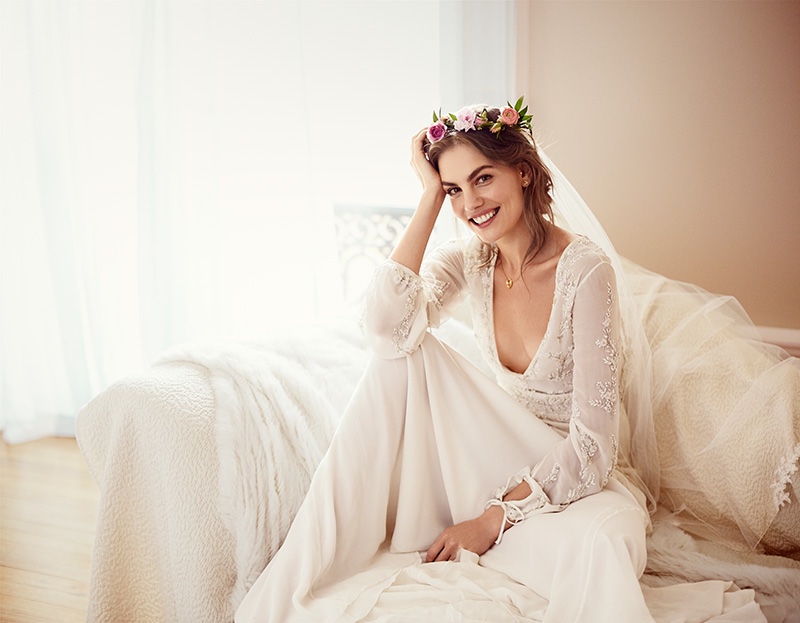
{"x": 401, "y": 304}
{"x": 583, "y": 462}
{"x": 411, "y": 248}
{"x": 476, "y": 535}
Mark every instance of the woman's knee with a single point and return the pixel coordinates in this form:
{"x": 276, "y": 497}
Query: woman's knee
{"x": 622, "y": 531}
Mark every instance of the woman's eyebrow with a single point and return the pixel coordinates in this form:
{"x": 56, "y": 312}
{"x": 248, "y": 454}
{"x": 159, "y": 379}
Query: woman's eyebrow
{"x": 472, "y": 175}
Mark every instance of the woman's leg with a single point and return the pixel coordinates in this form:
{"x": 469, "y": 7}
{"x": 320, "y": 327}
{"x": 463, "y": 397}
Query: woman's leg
{"x": 586, "y": 560}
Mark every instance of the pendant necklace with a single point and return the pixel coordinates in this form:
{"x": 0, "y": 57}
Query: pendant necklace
{"x": 509, "y": 280}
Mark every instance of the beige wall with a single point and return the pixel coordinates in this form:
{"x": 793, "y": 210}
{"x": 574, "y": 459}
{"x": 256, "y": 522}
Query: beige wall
{"x": 679, "y": 122}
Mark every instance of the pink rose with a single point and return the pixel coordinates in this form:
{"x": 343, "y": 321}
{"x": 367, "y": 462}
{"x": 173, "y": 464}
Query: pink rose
{"x": 509, "y": 116}
{"x": 436, "y": 131}
{"x": 465, "y": 120}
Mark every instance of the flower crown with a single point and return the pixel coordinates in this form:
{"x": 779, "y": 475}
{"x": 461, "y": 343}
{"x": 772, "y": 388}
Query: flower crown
{"x": 479, "y": 118}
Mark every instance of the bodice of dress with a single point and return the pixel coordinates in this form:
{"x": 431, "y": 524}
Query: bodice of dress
{"x": 572, "y": 380}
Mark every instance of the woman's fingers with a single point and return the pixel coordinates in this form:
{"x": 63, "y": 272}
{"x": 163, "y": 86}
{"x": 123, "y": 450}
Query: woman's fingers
{"x": 476, "y": 535}
{"x": 417, "y": 147}
{"x": 434, "y": 550}
{"x": 444, "y": 556}
{"x": 442, "y": 549}
{"x": 419, "y": 162}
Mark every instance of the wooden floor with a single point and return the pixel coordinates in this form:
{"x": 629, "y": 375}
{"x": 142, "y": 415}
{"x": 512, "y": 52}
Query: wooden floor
{"x": 48, "y": 504}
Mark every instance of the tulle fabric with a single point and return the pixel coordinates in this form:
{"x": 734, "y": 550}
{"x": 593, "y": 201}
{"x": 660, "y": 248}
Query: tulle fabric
{"x": 725, "y": 408}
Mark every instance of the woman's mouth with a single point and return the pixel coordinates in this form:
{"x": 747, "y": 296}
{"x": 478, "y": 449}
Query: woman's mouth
{"x": 484, "y": 219}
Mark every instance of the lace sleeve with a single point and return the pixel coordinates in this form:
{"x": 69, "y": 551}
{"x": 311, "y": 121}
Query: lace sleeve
{"x": 583, "y": 462}
{"x": 401, "y": 305}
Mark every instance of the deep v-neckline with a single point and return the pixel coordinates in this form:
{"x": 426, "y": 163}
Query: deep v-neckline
{"x": 489, "y": 302}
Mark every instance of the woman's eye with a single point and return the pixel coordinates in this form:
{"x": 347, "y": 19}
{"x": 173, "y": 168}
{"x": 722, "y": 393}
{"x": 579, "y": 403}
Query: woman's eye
{"x": 484, "y": 178}
{"x": 452, "y": 192}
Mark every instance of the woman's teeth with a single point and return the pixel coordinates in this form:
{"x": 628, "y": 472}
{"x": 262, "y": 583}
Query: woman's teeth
{"x": 484, "y": 218}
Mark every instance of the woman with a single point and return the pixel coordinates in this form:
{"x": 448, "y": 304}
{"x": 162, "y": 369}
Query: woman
{"x": 446, "y": 495}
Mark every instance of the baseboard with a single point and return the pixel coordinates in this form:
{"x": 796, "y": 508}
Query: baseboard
{"x": 788, "y": 339}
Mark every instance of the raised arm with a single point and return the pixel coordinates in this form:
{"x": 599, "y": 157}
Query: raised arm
{"x": 405, "y": 297}
{"x": 411, "y": 248}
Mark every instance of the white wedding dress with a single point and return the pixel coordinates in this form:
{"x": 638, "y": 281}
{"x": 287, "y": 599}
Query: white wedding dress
{"x": 428, "y": 439}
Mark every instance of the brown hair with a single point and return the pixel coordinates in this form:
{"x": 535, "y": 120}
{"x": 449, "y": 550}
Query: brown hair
{"x": 513, "y": 148}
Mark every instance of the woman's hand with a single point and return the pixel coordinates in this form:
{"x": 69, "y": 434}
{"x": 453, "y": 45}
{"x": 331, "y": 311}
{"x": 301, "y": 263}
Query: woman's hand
{"x": 411, "y": 247}
{"x": 431, "y": 182}
{"x": 476, "y": 535}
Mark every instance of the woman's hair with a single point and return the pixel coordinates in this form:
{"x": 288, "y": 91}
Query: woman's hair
{"x": 515, "y": 148}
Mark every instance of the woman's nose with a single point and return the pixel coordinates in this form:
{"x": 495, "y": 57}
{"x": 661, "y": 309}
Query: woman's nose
{"x": 472, "y": 200}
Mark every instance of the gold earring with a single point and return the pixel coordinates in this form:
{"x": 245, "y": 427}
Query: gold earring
{"x": 525, "y": 183}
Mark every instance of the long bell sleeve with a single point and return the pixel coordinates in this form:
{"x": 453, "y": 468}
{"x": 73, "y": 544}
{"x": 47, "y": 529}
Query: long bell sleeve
{"x": 583, "y": 462}
{"x": 400, "y": 305}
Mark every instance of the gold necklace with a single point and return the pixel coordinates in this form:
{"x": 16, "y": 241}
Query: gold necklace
{"x": 509, "y": 281}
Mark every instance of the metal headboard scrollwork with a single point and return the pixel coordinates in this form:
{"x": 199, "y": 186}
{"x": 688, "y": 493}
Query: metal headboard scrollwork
{"x": 365, "y": 237}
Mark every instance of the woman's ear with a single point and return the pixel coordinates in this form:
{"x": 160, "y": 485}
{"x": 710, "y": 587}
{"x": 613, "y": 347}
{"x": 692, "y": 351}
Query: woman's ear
{"x": 525, "y": 174}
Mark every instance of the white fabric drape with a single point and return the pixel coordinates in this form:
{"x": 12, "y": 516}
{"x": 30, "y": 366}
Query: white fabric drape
{"x": 169, "y": 169}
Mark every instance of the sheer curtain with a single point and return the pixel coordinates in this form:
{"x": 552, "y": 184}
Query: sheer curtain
{"x": 169, "y": 169}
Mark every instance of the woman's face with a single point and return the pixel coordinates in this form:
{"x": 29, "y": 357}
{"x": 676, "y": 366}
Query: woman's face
{"x": 486, "y": 196}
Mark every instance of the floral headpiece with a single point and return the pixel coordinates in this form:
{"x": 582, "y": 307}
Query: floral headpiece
{"x": 479, "y": 118}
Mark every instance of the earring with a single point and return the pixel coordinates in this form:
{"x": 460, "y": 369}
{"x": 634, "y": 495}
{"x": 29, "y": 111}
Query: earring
{"x": 525, "y": 183}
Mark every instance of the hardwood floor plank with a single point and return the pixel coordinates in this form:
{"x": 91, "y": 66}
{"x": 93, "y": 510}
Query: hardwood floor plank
{"x": 15, "y": 609}
{"x": 77, "y": 535}
{"x": 47, "y": 513}
{"x": 48, "y": 509}
{"x": 45, "y": 588}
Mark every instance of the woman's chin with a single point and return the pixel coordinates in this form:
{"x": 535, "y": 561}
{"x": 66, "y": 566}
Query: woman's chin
{"x": 487, "y": 236}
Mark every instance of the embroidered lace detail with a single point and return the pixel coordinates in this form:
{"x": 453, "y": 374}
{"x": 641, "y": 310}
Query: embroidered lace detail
{"x": 588, "y": 447}
{"x": 483, "y": 323}
{"x": 552, "y": 407}
{"x": 414, "y": 285}
{"x": 614, "y": 460}
{"x": 434, "y": 289}
{"x": 783, "y": 474}
{"x": 552, "y": 476}
{"x": 608, "y": 389}
{"x": 586, "y": 478}
{"x": 478, "y": 256}
{"x": 563, "y": 363}
{"x": 567, "y": 283}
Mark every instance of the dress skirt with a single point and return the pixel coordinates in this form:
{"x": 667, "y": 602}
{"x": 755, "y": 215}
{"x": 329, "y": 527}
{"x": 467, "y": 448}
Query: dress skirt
{"x": 424, "y": 442}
